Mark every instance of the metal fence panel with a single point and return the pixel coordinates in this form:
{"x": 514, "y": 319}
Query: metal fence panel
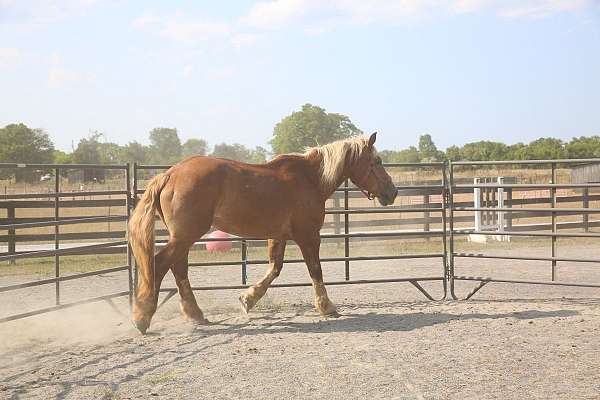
{"x": 509, "y": 230}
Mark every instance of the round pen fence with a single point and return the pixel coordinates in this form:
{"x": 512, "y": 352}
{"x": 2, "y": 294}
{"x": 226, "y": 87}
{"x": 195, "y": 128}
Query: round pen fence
{"x": 525, "y": 207}
{"x": 63, "y": 229}
{"x": 24, "y": 211}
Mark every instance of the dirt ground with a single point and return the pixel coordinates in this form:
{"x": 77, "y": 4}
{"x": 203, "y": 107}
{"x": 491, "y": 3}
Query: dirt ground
{"x": 509, "y": 342}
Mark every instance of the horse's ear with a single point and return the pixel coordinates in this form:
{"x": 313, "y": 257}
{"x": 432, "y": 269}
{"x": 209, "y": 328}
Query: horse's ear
{"x": 372, "y": 139}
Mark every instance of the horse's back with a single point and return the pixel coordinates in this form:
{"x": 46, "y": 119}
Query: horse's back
{"x": 244, "y": 199}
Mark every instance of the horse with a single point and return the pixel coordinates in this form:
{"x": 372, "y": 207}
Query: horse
{"x": 281, "y": 200}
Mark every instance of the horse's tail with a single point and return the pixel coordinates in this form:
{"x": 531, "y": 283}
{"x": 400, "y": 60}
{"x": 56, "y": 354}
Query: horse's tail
{"x": 141, "y": 231}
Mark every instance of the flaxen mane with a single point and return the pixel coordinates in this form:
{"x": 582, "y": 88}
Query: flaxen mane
{"x": 334, "y": 157}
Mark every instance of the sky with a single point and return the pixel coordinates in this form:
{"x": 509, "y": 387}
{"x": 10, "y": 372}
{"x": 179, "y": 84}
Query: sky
{"x": 228, "y": 71}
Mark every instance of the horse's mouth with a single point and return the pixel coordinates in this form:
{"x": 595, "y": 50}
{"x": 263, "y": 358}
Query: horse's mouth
{"x": 387, "y": 198}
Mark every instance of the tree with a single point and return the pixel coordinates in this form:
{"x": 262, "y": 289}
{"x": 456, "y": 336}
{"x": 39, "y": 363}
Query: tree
{"x": 516, "y": 151}
{"x": 484, "y": 150}
{"x": 135, "y": 152}
{"x": 409, "y": 155}
{"x": 258, "y": 155}
{"x": 88, "y": 151}
{"x": 311, "y": 126}
{"x": 194, "y": 147}
{"x": 583, "y": 147}
{"x": 454, "y": 153}
{"x": 543, "y": 149}
{"x": 239, "y": 152}
{"x": 427, "y": 149}
{"x": 165, "y": 145}
{"x": 20, "y": 144}
{"x": 60, "y": 157}
{"x": 110, "y": 153}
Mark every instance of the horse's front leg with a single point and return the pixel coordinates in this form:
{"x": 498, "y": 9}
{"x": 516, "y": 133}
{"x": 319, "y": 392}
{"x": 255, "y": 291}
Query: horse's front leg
{"x": 256, "y": 292}
{"x": 310, "y": 251}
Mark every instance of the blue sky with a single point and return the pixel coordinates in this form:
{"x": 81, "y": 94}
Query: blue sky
{"x": 460, "y": 70}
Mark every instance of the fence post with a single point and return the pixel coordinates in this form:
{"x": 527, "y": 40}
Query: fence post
{"x": 451, "y": 228}
{"x": 509, "y": 197}
{"x": 553, "y": 195}
{"x": 500, "y": 203}
{"x": 444, "y": 228}
{"x": 336, "y": 217}
{"x": 12, "y": 240}
{"x": 244, "y": 249}
{"x": 586, "y": 204}
{"x": 128, "y": 206}
{"x": 346, "y": 231}
{"x": 426, "y": 215}
{"x": 134, "y": 189}
{"x": 56, "y": 231}
{"x": 477, "y": 197}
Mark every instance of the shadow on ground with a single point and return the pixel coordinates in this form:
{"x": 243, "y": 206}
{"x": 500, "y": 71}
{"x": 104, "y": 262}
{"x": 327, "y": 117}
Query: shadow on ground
{"x": 130, "y": 359}
{"x": 377, "y": 322}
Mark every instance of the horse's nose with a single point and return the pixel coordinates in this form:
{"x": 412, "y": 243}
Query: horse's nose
{"x": 393, "y": 193}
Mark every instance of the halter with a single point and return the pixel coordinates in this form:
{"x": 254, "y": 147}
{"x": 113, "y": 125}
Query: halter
{"x": 363, "y": 180}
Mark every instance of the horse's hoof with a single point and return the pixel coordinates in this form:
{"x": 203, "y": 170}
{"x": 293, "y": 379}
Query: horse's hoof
{"x": 244, "y": 305}
{"x": 199, "y": 321}
{"x": 333, "y": 314}
{"x": 141, "y": 325}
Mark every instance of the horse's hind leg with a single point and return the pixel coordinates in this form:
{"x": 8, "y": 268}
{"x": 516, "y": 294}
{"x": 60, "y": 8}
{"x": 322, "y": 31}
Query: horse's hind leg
{"x": 189, "y": 306}
{"x": 256, "y": 292}
{"x": 146, "y": 303}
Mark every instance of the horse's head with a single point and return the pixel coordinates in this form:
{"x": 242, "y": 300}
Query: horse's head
{"x": 369, "y": 175}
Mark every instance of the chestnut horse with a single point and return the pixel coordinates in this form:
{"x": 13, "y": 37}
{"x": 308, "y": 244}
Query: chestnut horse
{"x": 281, "y": 200}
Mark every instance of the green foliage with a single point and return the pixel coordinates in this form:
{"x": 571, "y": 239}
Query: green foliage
{"x": 165, "y": 145}
{"x": 428, "y": 151}
{"x": 484, "y": 150}
{"x": 60, "y": 157}
{"x": 20, "y": 144}
{"x": 194, "y": 147}
{"x": 91, "y": 151}
{"x": 110, "y": 153}
{"x": 88, "y": 150}
{"x": 454, "y": 153}
{"x": 309, "y": 127}
{"x": 583, "y": 147}
{"x": 134, "y": 152}
{"x": 312, "y": 126}
{"x": 542, "y": 149}
{"x": 259, "y": 155}
{"x": 240, "y": 152}
{"x": 410, "y": 155}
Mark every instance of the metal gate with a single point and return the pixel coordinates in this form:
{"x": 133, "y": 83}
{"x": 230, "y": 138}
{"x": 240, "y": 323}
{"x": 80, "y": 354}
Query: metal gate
{"x": 499, "y": 207}
{"x": 443, "y": 197}
{"x": 56, "y": 199}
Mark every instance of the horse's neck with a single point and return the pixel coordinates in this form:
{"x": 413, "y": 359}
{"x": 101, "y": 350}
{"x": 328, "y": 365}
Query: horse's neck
{"x": 326, "y": 190}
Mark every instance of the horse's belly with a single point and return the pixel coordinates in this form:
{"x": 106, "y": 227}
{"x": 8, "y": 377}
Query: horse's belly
{"x": 256, "y": 222}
